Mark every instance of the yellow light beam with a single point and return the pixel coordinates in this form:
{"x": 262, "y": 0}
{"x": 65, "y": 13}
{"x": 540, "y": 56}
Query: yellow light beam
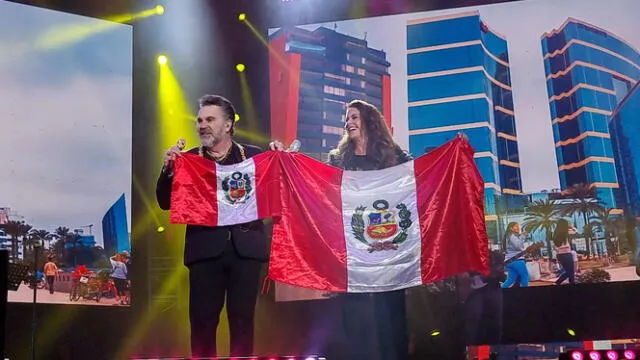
{"x": 61, "y": 36}
{"x": 173, "y": 110}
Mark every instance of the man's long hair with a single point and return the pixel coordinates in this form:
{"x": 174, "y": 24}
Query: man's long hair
{"x": 380, "y": 145}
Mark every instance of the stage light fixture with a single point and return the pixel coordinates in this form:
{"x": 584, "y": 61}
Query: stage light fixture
{"x": 612, "y": 355}
{"x": 577, "y": 355}
{"x": 162, "y": 60}
{"x": 629, "y": 355}
{"x": 434, "y": 332}
{"x": 242, "y": 17}
{"x": 159, "y": 9}
{"x": 571, "y": 332}
{"x": 160, "y": 229}
{"x": 594, "y": 355}
{"x": 240, "y": 67}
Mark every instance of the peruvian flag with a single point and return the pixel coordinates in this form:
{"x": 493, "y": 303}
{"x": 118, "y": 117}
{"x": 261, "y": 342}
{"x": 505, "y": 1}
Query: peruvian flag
{"x": 347, "y": 231}
{"x": 206, "y": 193}
{"x": 382, "y": 230}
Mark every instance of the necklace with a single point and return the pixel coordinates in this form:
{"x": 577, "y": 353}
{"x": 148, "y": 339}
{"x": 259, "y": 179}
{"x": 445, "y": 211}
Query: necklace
{"x": 220, "y": 159}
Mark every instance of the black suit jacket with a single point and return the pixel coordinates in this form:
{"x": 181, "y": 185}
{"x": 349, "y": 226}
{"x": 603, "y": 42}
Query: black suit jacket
{"x": 204, "y": 242}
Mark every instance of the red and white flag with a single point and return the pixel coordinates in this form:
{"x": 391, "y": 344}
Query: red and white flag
{"x": 206, "y": 193}
{"x": 382, "y": 230}
{"x": 347, "y": 231}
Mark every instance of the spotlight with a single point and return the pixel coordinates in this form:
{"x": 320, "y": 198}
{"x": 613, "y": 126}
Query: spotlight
{"x": 240, "y": 67}
{"x": 236, "y": 117}
{"x": 162, "y": 60}
{"x": 435, "y": 332}
{"x": 159, "y": 9}
{"x": 242, "y": 17}
{"x": 612, "y": 355}
{"x": 577, "y": 355}
{"x": 160, "y": 229}
{"x": 594, "y": 355}
{"x": 571, "y": 332}
{"x": 629, "y": 354}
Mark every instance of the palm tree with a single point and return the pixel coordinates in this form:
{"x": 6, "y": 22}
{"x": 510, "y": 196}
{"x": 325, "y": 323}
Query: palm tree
{"x": 541, "y": 215}
{"x": 61, "y": 233}
{"x": 43, "y": 235}
{"x": 16, "y": 229}
{"x": 586, "y": 203}
{"x": 608, "y": 223}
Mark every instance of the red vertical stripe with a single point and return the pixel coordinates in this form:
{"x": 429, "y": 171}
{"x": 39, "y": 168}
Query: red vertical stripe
{"x": 194, "y": 187}
{"x": 451, "y": 209}
{"x": 284, "y": 89}
{"x": 267, "y": 186}
{"x": 311, "y": 251}
{"x": 386, "y": 101}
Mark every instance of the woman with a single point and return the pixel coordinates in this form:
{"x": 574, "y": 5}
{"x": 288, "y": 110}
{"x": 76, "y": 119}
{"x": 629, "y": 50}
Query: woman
{"x": 513, "y": 243}
{"x": 563, "y": 252}
{"x": 119, "y": 276}
{"x": 375, "y": 323}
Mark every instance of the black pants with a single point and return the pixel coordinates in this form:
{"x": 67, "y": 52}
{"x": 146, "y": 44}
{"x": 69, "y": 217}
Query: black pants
{"x": 566, "y": 260}
{"x": 376, "y": 326}
{"x": 483, "y": 320}
{"x": 210, "y": 281}
{"x": 50, "y": 279}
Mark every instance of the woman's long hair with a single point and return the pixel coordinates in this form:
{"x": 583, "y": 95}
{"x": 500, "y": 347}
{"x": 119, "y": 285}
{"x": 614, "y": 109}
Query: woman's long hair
{"x": 380, "y": 145}
{"x": 508, "y": 233}
{"x": 561, "y": 235}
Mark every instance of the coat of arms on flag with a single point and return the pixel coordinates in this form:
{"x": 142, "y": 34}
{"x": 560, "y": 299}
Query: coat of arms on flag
{"x": 380, "y": 230}
{"x": 237, "y": 187}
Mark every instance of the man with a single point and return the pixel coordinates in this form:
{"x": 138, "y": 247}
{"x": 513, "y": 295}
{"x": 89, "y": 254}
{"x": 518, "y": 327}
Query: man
{"x": 50, "y": 271}
{"x": 223, "y": 261}
{"x": 482, "y": 297}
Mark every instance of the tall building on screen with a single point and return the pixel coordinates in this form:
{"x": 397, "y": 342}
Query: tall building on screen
{"x": 459, "y": 81}
{"x": 589, "y": 72}
{"x": 624, "y": 128}
{"x": 313, "y": 75}
{"x": 115, "y": 232}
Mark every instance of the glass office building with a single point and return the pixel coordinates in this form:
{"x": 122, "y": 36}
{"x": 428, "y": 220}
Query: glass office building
{"x": 115, "y": 231}
{"x": 313, "y": 75}
{"x": 589, "y": 71}
{"x": 625, "y": 135}
{"x": 459, "y": 81}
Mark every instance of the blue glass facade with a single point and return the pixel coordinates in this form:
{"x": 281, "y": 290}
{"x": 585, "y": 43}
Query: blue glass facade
{"x": 115, "y": 232}
{"x": 459, "y": 81}
{"x": 334, "y": 69}
{"x": 625, "y": 132}
{"x": 588, "y": 72}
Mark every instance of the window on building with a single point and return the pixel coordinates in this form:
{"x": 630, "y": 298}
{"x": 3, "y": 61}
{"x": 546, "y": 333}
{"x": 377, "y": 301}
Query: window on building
{"x": 363, "y": 84}
{"x": 362, "y": 72}
{"x": 332, "y": 130}
{"x": 348, "y": 68}
{"x": 335, "y": 77}
{"x": 621, "y": 88}
{"x": 333, "y": 90}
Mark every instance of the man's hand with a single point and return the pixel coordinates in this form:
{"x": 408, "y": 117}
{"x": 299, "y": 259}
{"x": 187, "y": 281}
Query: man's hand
{"x": 276, "y": 145}
{"x": 173, "y": 152}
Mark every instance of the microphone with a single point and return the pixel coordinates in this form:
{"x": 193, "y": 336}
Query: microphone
{"x": 295, "y": 146}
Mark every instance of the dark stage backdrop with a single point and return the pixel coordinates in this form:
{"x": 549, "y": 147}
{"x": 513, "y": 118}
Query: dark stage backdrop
{"x": 597, "y": 311}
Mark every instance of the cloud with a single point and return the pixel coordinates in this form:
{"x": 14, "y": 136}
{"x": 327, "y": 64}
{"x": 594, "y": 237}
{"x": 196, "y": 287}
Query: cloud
{"x": 67, "y": 151}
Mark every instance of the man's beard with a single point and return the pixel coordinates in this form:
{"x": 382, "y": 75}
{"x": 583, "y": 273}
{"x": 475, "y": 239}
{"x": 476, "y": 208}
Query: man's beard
{"x": 208, "y": 140}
